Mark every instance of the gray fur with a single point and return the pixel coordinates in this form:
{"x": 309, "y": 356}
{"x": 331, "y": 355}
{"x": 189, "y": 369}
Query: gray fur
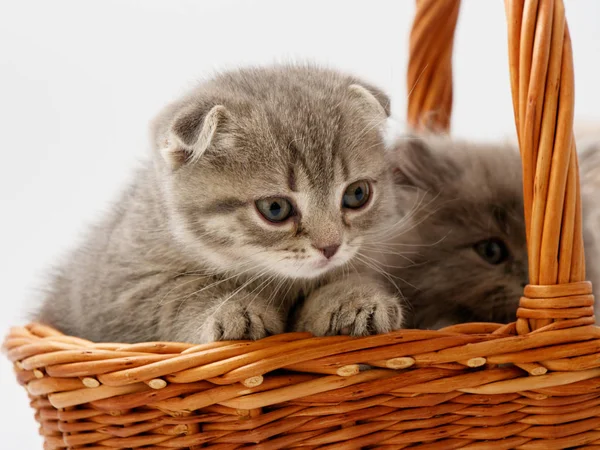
{"x": 184, "y": 255}
{"x": 460, "y": 193}
{"x": 465, "y": 192}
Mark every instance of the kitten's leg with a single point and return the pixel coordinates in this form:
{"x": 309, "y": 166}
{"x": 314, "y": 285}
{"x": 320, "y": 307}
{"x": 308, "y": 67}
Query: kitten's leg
{"x": 359, "y": 308}
{"x": 231, "y": 316}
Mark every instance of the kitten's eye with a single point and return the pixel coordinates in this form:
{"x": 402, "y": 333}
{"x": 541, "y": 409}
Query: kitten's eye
{"x": 275, "y": 209}
{"x": 494, "y": 250}
{"x": 356, "y": 195}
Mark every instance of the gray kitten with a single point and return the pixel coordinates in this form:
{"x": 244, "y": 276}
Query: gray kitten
{"x": 262, "y": 187}
{"x": 462, "y": 255}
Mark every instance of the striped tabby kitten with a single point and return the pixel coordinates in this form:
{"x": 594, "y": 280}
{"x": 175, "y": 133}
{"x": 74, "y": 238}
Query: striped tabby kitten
{"x": 262, "y": 188}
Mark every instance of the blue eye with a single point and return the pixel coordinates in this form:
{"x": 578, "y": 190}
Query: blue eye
{"x": 274, "y": 209}
{"x": 356, "y": 195}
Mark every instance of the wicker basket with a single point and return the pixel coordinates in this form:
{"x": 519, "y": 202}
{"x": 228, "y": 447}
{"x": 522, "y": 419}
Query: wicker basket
{"x": 532, "y": 384}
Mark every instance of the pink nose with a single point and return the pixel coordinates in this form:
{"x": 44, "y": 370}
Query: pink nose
{"x": 329, "y": 250}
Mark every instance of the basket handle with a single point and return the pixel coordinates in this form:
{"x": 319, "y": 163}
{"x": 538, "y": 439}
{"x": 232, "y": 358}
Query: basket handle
{"x": 429, "y": 78}
{"x": 542, "y": 83}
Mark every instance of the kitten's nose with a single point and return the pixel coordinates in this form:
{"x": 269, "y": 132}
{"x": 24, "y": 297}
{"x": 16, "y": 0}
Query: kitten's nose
{"x": 329, "y": 250}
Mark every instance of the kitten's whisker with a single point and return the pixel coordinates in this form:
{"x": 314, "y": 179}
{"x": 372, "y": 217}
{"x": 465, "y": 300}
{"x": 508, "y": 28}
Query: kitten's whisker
{"x": 379, "y": 270}
{"x": 273, "y": 295}
{"x": 366, "y": 149}
{"x": 376, "y": 267}
{"x": 346, "y": 270}
{"x": 370, "y": 126}
{"x": 353, "y": 266}
{"x": 418, "y": 222}
{"x": 383, "y": 253}
{"x": 216, "y": 283}
{"x": 293, "y": 282}
{"x": 418, "y": 206}
{"x": 400, "y": 244}
{"x": 416, "y": 81}
{"x": 375, "y": 261}
{"x": 384, "y": 232}
{"x": 422, "y": 219}
{"x": 262, "y": 286}
{"x": 185, "y": 298}
{"x": 276, "y": 290}
{"x": 242, "y": 287}
{"x": 384, "y": 249}
{"x": 233, "y": 294}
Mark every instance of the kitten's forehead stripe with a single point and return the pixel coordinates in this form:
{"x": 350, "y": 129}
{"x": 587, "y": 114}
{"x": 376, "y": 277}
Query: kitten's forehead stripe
{"x": 345, "y": 170}
{"x": 297, "y": 158}
{"x": 292, "y": 178}
{"x": 335, "y": 151}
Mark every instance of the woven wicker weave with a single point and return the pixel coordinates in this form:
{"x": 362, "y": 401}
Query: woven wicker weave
{"x": 532, "y": 384}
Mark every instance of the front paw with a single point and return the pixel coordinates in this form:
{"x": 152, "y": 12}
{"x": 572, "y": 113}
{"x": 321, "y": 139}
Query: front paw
{"x": 236, "y": 319}
{"x": 355, "y": 309}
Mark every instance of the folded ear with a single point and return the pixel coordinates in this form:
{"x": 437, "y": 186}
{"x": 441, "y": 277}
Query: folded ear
{"x": 191, "y": 133}
{"x": 373, "y": 98}
{"x": 423, "y": 163}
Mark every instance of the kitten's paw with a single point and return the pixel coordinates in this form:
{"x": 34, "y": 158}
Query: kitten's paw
{"x": 238, "y": 319}
{"x": 358, "y": 310}
{"x": 363, "y": 316}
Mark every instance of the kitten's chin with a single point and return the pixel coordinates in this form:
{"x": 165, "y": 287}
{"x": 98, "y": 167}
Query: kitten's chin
{"x": 309, "y": 270}
{"x": 315, "y": 266}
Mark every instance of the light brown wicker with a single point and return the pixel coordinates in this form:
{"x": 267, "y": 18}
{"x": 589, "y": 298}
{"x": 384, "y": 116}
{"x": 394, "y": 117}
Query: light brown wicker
{"x": 532, "y": 384}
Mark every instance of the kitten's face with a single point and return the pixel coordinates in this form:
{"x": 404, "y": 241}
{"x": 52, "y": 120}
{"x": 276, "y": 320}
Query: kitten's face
{"x": 470, "y": 248}
{"x": 295, "y": 178}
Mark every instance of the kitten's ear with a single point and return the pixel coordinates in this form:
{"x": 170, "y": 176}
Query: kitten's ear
{"x": 417, "y": 164}
{"x": 191, "y": 134}
{"x": 373, "y": 97}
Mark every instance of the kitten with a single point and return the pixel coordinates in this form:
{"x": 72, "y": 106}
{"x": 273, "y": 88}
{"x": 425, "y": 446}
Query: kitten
{"x": 462, "y": 255}
{"x": 262, "y": 186}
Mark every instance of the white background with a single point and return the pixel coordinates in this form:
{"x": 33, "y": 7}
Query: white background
{"x": 80, "y": 80}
